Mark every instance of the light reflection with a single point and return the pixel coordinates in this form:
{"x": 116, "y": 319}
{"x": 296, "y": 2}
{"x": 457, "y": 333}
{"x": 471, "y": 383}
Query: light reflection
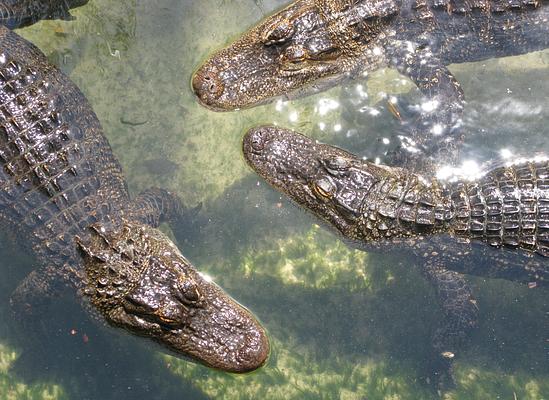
{"x": 410, "y": 48}
{"x": 506, "y": 153}
{"x": 326, "y": 105}
{"x": 337, "y": 127}
{"x": 321, "y": 126}
{"x": 293, "y": 116}
{"x": 360, "y": 91}
{"x": 370, "y": 110}
{"x": 206, "y": 277}
{"x": 437, "y": 129}
{"x": 429, "y": 106}
{"x": 374, "y": 112}
{"x": 521, "y": 160}
{"x": 470, "y": 170}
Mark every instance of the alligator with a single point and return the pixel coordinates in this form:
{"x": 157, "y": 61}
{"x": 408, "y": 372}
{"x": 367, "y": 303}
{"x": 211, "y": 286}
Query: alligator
{"x": 312, "y": 45}
{"x": 496, "y": 226}
{"x": 64, "y": 197}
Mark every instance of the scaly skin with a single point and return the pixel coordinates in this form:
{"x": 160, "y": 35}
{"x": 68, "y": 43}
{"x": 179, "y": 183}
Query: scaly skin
{"x": 19, "y": 13}
{"x": 312, "y": 45}
{"x": 383, "y": 208}
{"x": 497, "y": 226}
{"x": 63, "y": 194}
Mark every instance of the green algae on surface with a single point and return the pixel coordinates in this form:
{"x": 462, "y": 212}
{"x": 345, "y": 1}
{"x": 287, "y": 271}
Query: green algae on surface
{"x": 311, "y": 260}
{"x": 12, "y": 388}
{"x": 295, "y": 373}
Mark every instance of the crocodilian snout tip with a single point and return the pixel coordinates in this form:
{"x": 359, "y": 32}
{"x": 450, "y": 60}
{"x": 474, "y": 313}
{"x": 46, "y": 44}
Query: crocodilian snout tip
{"x": 256, "y": 139}
{"x": 208, "y": 87}
{"x": 255, "y": 354}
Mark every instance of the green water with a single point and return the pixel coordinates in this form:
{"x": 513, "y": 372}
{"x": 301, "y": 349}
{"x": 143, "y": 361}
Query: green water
{"x": 343, "y": 324}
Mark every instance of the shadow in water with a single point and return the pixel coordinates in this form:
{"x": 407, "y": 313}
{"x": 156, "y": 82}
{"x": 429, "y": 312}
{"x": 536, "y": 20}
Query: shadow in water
{"x": 393, "y": 320}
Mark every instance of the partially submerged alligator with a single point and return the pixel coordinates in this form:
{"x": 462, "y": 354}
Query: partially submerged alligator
{"x": 496, "y": 226}
{"x": 63, "y": 194}
{"x": 312, "y": 45}
{"x": 20, "y": 13}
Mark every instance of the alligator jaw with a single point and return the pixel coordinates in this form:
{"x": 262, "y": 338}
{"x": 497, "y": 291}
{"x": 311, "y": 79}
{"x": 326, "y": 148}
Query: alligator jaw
{"x": 139, "y": 281}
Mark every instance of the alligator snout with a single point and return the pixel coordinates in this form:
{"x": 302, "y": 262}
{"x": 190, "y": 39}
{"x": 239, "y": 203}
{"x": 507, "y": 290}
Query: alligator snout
{"x": 208, "y": 86}
{"x": 256, "y": 138}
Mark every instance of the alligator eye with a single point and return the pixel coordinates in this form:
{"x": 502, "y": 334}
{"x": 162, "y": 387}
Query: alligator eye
{"x": 189, "y": 293}
{"x": 322, "y": 49}
{"x": 167, "y": 320}
{"x": 336, "y": 165}
{"x": 294, "y": 55}
{"x": 280, "y": 33}
{"x": 324, "y": 188}
{"x": 327, "y": 55}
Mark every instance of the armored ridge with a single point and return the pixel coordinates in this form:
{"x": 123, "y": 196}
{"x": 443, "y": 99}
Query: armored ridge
{"x": 312, "y": 45}
{"x": 63, "y": 193}
{"x": 494, "y": 227}
{"x": 380, "y": 207}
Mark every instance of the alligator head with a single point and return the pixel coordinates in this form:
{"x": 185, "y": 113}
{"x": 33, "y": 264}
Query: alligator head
{"x": 305, "y": 48}
{"x": 336, "y": 186}
{"x": 138, "y": 280}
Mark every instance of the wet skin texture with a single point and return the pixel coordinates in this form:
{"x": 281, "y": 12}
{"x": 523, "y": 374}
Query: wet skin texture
{"x": 313, "y": 45}
{"x": 496, "y": 226}
{"x": 63, "y": 194}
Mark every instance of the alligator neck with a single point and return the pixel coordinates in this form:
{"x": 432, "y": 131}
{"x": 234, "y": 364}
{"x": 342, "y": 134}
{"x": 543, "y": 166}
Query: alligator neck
{"x": 405, "y": 205}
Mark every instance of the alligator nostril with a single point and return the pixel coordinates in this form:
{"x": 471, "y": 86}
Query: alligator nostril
{"x": 256, "y": 139}
{"x": 207, "y": 85}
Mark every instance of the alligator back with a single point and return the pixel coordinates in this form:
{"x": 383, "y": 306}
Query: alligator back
{"x": 507, "y": 207}
{"x": 58, "y": 174}
{"x": 466, "y": 31}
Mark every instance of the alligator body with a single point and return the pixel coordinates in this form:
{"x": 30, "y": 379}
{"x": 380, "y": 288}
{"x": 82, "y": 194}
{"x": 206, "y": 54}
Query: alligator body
{"x": 63, "y": 195}
{"x": 315, "y": 44}
{"x": 19, "y": 13}
{"x": 496, "y": 226}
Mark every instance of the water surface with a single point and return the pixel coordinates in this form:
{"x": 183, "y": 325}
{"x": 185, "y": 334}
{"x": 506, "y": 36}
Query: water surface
{"x": 343, "y": 324}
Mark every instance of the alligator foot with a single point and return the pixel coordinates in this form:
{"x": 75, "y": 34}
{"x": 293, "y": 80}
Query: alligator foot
{"x": 34, "y": 293}
{"x": 435, "y": 133}
{"x": 460, "y": 318}
{"x": 155, "y": 206}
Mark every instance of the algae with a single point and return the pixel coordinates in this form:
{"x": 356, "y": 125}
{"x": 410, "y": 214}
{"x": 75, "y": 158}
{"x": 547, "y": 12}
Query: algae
{"x": 12, "y": 388}
{"x": 343, "y": 323}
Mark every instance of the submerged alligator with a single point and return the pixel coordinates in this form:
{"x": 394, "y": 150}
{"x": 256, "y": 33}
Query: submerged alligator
{"x": 63, "y": 195}
{"x": 496, "y": 226}
{"x": 312, "y": 45}
{"x": 20, "y": 13}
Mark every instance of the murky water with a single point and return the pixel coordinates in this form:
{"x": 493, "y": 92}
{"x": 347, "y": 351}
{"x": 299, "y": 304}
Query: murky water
{"x": 343, "y": 324}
